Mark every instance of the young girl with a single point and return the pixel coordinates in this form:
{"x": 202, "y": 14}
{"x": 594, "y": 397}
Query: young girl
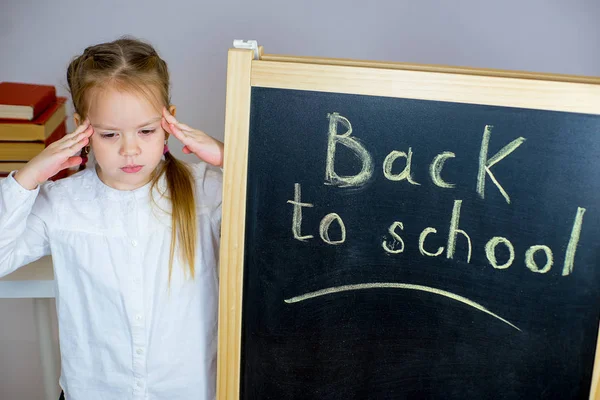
{"x": 134, "y": 238}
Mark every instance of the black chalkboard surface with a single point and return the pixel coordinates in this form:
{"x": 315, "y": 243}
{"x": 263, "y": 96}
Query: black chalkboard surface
{"x": 417, "y": 249}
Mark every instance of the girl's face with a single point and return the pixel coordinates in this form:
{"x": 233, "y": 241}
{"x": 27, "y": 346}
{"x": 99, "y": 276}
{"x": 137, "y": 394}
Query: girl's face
{"x": 128, "y": 140}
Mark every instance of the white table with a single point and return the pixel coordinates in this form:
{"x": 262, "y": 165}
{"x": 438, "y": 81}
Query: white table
{"x": 36, "y": 281}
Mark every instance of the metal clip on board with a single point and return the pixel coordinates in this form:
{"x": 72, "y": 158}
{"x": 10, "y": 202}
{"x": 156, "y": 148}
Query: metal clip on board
{"x": 247, "y": 44}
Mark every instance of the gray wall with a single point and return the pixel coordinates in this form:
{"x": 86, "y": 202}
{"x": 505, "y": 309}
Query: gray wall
{"x": 37, "y": 40}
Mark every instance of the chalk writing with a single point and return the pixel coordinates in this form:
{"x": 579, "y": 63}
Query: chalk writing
{"x": 538, "y": 258}
{"x": 383, "y": 285}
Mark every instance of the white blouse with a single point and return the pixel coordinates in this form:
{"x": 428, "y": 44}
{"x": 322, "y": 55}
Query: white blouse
{"x": 125, "y": 333}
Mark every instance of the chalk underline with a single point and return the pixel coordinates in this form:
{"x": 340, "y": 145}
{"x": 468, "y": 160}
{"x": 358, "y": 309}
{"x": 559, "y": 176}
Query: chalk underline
{"x": 393, "y": 285}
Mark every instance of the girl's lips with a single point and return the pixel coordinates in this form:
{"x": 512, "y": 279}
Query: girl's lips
{"x": 132, "y": 169}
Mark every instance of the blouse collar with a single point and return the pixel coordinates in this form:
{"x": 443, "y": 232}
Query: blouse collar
{"x": 138, "y": 193}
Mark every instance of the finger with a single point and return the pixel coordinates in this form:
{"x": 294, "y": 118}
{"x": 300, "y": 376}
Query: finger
{"x": 165, "y": 125}
{"x": 81, "y": 128}
{"x": 172, "y": 120}
{"x": 75, "y": 147}
{"x": 186, "y": 150}
{"x": 179, "y": 134}
{"x": 184, "y": 127}
{"x": 168, "y": 116}
{"x": 71, "y": 162}
{"x": 68, "y": 141}
{"x": 88, "y": 132}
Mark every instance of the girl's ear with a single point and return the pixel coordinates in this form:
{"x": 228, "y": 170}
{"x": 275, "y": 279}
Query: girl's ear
{"x": 77, "y": 119}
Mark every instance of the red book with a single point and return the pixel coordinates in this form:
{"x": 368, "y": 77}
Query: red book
{"x": 38, "y": 129}
{"x": 24, "y": 100}
{"x": 59, "y": 132}
{"x": 7, "y": 166}
{"x": 25, "y": 151}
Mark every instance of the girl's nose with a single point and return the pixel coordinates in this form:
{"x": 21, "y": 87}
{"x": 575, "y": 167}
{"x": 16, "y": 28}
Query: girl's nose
{"x": 129, "y": 147}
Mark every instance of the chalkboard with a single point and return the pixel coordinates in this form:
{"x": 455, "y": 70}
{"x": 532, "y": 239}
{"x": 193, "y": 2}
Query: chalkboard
{"x": 401, "y": 248}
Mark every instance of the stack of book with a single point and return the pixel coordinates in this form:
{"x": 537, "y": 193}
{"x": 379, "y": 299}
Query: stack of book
{"x": 31, "y": 117}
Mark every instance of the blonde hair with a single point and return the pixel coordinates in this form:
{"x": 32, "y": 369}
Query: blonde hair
{"x": 131, "y": 64}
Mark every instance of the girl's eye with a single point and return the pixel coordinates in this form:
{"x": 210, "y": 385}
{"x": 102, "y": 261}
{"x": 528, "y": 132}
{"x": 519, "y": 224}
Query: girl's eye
{"x": 108, "y": 135}
{"x": 148, "y": 131}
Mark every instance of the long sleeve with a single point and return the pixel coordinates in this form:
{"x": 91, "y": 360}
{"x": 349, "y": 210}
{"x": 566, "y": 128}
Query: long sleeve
{"x": 209, "y": 192}
{"x": 23, "y": 236}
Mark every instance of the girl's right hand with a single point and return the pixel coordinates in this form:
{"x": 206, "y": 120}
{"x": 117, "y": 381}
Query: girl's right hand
{"x": 54, "y": 158}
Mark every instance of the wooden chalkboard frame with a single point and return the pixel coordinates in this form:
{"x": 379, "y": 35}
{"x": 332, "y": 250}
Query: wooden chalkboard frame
{"x": 412, "y": 81}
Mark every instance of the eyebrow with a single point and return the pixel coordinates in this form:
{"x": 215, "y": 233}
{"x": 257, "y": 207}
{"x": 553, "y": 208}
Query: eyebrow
{"x": 110, "y": 128}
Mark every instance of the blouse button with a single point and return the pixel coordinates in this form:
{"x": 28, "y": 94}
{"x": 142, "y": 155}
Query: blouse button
{"x": 134, "y": 243}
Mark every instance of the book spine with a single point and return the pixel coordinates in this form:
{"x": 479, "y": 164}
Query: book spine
{"x": 21, "y": 132}
{"x": 25, "y": 151}
{"x": 59, "y": 132}
{"x": 25, "y": 132}
{"x": 11, "y": 151}
{"x": 44, "y": 102}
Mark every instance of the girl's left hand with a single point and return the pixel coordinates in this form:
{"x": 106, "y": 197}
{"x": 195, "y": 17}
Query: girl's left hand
{"x": 207, "y": 148}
